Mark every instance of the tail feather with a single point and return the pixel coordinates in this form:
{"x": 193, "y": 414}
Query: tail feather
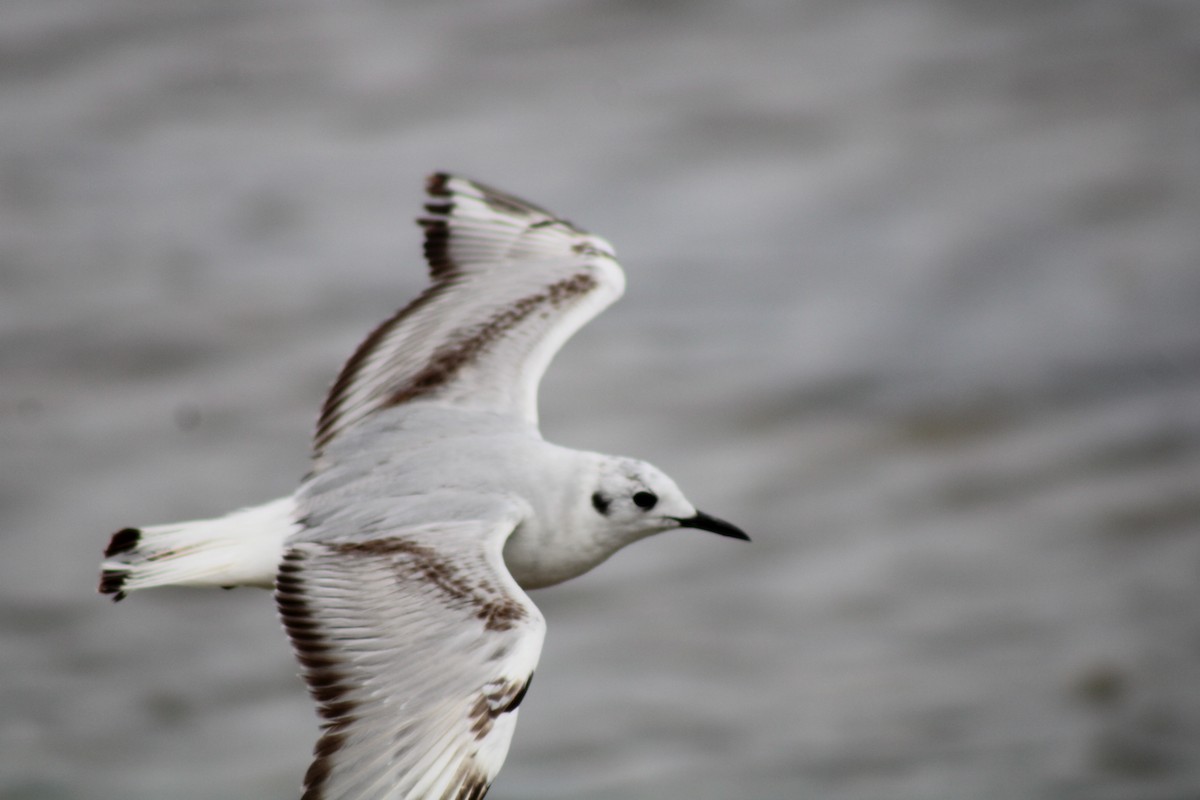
{"x": 112, "y": 581}
{"x": 239, "y": 549}
{"x": 122, "y": 542}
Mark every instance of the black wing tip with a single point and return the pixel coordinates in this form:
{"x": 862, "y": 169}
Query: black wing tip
{"x": 442, "y": 194}
{"x": 123, "y": 541}
{"x": 437, "y": 246}
{"x": 474, "y": 787}
{"x": 442, "y": 209}
{"x": 515, "y": 703}
{"x": 436, "y": 184}
{"x": 112, "y": 581}
{"x": 436, "y": 227}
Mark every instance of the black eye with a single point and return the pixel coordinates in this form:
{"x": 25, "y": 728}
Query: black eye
{"x": 645, "y": 500}
{"x": 600, "y": 503}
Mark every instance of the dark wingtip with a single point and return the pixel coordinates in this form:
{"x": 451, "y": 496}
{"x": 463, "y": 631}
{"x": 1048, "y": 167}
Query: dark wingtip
{"x": 122, "y": 541}
{"x": 437, "y": 245}
{"x": 435, "y": 184}
{"x": 112, "y": 582}
{"x": 437, "y": 231}
{"x": 516, "y": 701}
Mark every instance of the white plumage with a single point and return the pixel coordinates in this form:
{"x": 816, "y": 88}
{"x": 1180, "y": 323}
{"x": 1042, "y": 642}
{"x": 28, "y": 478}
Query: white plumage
{"x": 400, "y": 564}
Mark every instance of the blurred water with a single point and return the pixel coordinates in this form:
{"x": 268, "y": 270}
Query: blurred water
{"x": 913, "y": 298}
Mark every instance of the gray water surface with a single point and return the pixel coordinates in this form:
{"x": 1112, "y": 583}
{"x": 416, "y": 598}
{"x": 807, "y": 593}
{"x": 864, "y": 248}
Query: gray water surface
{"x": 914, "y": 297}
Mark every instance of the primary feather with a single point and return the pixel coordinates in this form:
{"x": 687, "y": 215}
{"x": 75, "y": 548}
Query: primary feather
{"x": 511, "y": 283}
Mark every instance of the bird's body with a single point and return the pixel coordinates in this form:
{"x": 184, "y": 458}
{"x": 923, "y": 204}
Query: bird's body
{"x": 440, "y": 461}
{"x": 400, "y": 563}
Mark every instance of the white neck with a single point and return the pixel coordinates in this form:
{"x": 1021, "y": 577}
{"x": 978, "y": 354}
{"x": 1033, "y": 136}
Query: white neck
{"x": 564, "y": 536}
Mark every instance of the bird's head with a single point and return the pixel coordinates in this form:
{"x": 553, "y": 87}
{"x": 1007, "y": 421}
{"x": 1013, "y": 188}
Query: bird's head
{"x": 632, "y": 499}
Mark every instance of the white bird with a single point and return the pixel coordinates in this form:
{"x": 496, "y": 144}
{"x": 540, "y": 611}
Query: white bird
{"x": 400, "y": 563}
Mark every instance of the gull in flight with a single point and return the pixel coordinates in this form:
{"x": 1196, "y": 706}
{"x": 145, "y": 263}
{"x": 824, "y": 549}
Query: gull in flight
{"x": 401, "y": 562}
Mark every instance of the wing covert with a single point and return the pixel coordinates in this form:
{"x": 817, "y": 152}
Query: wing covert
{"x": 418, "y": 647}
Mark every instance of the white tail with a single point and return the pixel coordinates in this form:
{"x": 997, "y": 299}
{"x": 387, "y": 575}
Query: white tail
{"x": 239, "y": 549}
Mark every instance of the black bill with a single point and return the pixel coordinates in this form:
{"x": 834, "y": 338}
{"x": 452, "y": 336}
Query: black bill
{"x": 704, "y": 522}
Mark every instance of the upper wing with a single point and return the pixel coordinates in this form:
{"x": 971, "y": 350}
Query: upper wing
{"x": 418, "y": 647}
{"x": 511, "y": 283}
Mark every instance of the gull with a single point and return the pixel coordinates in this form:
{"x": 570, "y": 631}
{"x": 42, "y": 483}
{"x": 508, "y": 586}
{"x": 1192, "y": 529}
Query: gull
{"x": 400, "y": 565}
